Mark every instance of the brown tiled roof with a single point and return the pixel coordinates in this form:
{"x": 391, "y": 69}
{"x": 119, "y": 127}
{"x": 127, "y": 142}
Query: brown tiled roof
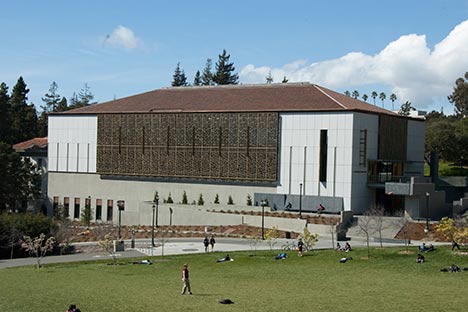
{"x": 284, "y": 97}
{"x": 33, "y": 143}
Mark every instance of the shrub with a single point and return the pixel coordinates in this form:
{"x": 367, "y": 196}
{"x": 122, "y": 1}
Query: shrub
{"x": 184, "y": 199}
{"x": 230, "y": 200}
{"x": 216, "y": 200}
{"x": 169, "y": 199}
{"x": 201, "y": 202}
{"x": 249, "y": 200}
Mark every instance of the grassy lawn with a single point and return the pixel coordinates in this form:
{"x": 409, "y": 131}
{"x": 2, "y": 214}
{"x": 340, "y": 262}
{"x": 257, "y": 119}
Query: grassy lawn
{"x": 389, "y": 281}
{"x": 448, "y": 169}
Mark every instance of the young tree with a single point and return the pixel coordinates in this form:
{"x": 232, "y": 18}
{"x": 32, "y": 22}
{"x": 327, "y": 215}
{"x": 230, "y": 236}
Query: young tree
{"x": 200, "y": 202}
{"x": 107, "y": 245}
{"x": 207, "y": 75}
{"x": 271, "y": 236}
{"x": 355, "y": 94}
{"x": 347, "y": 93}
{"x": 184, "y": 198}
{"x": 216, "y": 200}
{"x": 309, "y": 239}
{"x": 459, "y": 96}
{"x": 365, "y": 97}
{"x": 51, "y": 99}
{"x": 179, "y": 79}
{"x": 366, "y": 227}
{"x": 225, "y": 74}
{"x": 377, "y": 214}
{"x": 197, "y": 79}
{"x": 38, "y": 246}
{"x": 269, "y": 78}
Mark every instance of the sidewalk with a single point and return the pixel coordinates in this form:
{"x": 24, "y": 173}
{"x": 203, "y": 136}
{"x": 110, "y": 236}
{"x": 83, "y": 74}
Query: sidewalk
{"x": 175, "y": 246}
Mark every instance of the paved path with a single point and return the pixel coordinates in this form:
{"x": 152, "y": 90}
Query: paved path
{"x": 180, "y": 246}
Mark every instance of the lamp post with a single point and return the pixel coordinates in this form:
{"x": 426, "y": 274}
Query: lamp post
{"x": 263, "y": 203}
{"x": 121, "y": 206}
{"x": 152, "y": 228}
{"x": 426, "y": 230}
{"x": 170, "y": 216}
{"x": 300, "y": 200}
{"x": 156, "y": 200}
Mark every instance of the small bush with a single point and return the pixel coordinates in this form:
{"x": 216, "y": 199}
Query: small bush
{"x": 249, "y": 200}
{"x": 169, "y": 199}
{"x": 216, "y": 200}
{"x": 184, "y": 199}
{"x": 230, "y": 200}
{"x": 201, "y": 202}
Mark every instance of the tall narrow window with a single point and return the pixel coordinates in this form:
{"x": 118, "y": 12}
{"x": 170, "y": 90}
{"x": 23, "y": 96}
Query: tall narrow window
{"x": 110, "y": 210}
{"x": 66, "y": 206}
{"x": 55, "y": 204}
{"x": 248, "y": 140}
{"x": 168, "y": 137}
{"x": 220, "y": 140}
{"x": 143, "y": 140}
{"x": 76, "y": 210}
{"x": 98, "y": 209}
{"x": 323, "y": 155}
{"x": 363, "y": 147}
{"x": 120, "y": 140}
{"x": 193, "y": 141}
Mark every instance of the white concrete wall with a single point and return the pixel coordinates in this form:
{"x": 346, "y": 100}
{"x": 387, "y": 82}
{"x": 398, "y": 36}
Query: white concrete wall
{"x": 301, "y": 131}
{"x": 72, "y": 143}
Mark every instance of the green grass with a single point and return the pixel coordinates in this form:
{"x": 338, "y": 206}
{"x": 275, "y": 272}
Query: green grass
{"x": 389, "y": 281}
{"x": 447, "y": 169}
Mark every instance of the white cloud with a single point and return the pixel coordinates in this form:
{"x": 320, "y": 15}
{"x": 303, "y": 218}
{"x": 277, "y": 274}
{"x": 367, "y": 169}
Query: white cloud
{"x": 123, "y": 37}
{"x": 407, "y": 66}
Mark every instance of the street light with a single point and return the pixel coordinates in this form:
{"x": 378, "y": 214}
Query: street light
{"x": 152, "y": 228}
{"x": 170, "y": 216}
{"x": 263, "y": 203}
{"x": 156, "y": 200}
{"x": 426, "y": 230}
{"x": 121, "y": 206}
{"x": 300, "y": 200}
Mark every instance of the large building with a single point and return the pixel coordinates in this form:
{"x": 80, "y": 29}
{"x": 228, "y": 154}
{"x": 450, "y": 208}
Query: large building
{"x": 298, "y": 146}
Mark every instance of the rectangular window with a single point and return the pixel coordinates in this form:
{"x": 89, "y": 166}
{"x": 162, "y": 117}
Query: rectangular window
{"x": 110, "y": 210}
{"x": 363, "y": 147}
{"x": 98, "y": 209}
{"x": 323, "y": 155}
{"x": 76, "y": 210}
{"x": 55, "y": 203}
{"x": 66, "y": 206}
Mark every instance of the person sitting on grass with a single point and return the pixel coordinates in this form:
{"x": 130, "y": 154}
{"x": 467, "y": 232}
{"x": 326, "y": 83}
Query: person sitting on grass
{"x": 422, "y": 247}
{"x": 430, "y": 248}
{"x": 227, "y": 258}
{"x": 347, "y": 247}
{"x": 281, "y": 256}
{"x": 338, "y": 247}
{"x": 420, "y": 258}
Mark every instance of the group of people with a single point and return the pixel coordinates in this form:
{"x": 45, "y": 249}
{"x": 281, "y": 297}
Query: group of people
{"x": 345, "y": 248}
{"x": 425, "y": 248}
{"x": 73, "y": 308}
{"x": 207, "y": 242}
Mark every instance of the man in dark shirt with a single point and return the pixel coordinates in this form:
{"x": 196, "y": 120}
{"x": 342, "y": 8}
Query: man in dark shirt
{"x": 185, "y": 280}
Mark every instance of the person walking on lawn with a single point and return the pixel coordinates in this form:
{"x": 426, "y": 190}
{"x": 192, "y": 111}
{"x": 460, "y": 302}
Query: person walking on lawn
{"x": 185, "y": 280}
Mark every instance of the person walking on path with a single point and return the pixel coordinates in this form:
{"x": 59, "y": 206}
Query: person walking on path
{"x": 455, "y": 245}
{"x": 206, "y": 242}
{"x": 212, "y": 242}
{"x": 185, "y": 280}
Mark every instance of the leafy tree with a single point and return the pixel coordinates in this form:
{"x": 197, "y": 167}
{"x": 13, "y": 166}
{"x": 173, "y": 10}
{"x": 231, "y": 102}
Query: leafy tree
{"x": 179, "y": 79}
{"x": 83, "y": 98}
{"x": 197, "y": 80}
{"x": 374, "y": 95}
{"x": 86, "y": 213}
{"x": 224, "y": 74}
{"x": 459, "y": 96}
{"x": 406, "y": 109}
{"x": 271, "y": 236}
{"x": 453, "y": 229}
{"x": 382, "y": 97}
{"x": 169, "y": 199}
{"x": 355, "y": 94}
{"x": 440, "y": 137}
{"x": 365, "y": 97}
{"x": 107, "y": 245}
{"x": 23, "y": 116}
{"x": 230, "y": 200}
{"x": 393, "y": 98}
{"x": 285, "y": 80}
{"x": 216, "y": 200}
{"x": 269, "y": 78}
{"x": 347, "y": 93}
{"x": 62, "y": 105}
{"x": 309, "y": 239}
{"x": 38, "y": 246}
{"x": 249, "y": 200}
{"x": 19, "y": 181}
{"x": 5, "y": 126}
{"x": 207, "y": 75}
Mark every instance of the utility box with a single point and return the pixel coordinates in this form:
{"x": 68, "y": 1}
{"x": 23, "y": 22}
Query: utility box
{"x": 119, "y": 246}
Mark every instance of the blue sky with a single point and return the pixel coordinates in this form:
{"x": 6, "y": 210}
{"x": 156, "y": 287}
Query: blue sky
{"x": 415, "y": 49}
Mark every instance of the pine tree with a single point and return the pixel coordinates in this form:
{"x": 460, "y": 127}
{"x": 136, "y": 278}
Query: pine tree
{"x": 207, "y": 75}
{"x": 23, "y": 116}
{"x": 51, "y": 99}
{"x": 4, "y": 114}
{"x": 197, "y": 80}
{"x": 179, "y": 79}
{"x": 85, "y": 96}
{"x": 225, "y": 74}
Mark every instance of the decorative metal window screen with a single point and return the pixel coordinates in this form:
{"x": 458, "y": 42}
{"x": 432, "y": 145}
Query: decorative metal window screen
{"x": 216, "y": 146}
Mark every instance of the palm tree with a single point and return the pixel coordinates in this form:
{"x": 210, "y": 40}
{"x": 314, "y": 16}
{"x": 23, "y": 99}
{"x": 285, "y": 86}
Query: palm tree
{"x": 374, "y": 95}
{"x": 393, "y": 99}
{"x": 347, "y": 93}
{"x": 382, "y": 96}
{"x": 355, "y": 94}
{"x": 365, "y": 97}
